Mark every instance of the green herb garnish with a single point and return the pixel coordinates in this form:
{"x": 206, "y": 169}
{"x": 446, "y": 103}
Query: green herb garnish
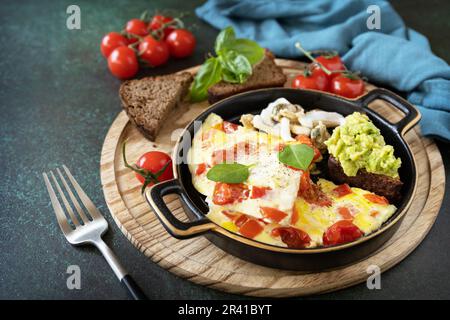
{"x": 229, "y": 173}
{"x": 297, "y": 155}
{"x": 234, "y": 61}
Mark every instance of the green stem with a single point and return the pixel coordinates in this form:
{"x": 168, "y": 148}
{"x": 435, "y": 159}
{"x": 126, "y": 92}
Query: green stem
{"x": 307, "y": 54}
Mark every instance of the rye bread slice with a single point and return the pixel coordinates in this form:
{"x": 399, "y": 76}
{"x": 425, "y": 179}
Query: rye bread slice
{"x": 149, "y": 101}
{"x": 266, "y": 74}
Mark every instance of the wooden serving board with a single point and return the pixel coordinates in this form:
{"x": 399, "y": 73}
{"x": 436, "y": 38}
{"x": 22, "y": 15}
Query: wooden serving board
{"x": 201, "y": 262}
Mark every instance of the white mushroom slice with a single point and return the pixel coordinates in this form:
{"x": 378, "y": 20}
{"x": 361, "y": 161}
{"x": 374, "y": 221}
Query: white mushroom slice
{"x": 320, "y": 134}
{"x": 285, "y": 130}
{"x": 246, "y": 120}
{"x": 283, "y": 108}
{"x": 297, "y": 129}
{"x": 329, "y": 119}
{"x": 259, "y": 124}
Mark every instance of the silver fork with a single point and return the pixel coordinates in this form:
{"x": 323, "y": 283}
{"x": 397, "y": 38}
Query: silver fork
{"x": 83, "y": 229}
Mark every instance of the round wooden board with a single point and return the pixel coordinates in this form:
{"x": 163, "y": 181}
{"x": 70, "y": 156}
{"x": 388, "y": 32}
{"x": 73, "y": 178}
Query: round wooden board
{"x": 201, "y": 262}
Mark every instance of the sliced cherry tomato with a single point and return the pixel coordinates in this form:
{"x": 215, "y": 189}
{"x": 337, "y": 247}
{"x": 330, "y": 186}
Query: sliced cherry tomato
{"x": 229, "y": 127}
{"x": 153, "y": 51}
{"x": 201, "y": 168}
{"x": 232, "y": 215}
{"x": 159, "y": 22}
{"x": 181, "y": 43}
{"x": 111, "y": 41}
{"x": 251, "y": 228}
{"x": 341, "y": 232}
{"x": 316, "y": 80}
{"x": 345, "y": 213}
{"x": 347, "y": 85}
{"x": 305, "y": 183}
{"x": 294, "y": 217}
{"x": 312, "y": 193}
{"x": 273, "y": 214}
{"x": 225, "y": 193}
{"x": 374, "y": 213}
{"x": 304, "y": 139}
{"x": 342, "y": 190}
{"x": 376, "y": 199}
{"x": 136, "y": 27}
{"x": 292, "y": 237}
{"x": 240, "y": 220}
{"x": 330, "y": 62}
{"x": 259, "y": 192}
{"x": 122, "y": 63}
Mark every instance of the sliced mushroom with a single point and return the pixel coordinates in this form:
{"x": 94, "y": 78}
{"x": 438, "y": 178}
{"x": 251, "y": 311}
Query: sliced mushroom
{"x": 259, "y": 124}
{"x": 320, "y": 134}
{"x": 298, "y": 129}
{"x": 246, "y": 120}
{"x": 329, "y": 119}
{"x": 285, "y": 130}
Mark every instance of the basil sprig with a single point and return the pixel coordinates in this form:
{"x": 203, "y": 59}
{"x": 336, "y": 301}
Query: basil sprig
{"x": 229, "y": 173}
{"x": 297, "y": 155}
{"x": 233, "y": 63}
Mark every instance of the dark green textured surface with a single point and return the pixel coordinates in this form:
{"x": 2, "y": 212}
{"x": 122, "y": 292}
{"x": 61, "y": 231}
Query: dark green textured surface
{"x": 57, "y": 101}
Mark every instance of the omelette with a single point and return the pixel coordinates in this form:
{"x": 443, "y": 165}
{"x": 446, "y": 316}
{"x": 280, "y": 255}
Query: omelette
{"x": 277, "y": 204}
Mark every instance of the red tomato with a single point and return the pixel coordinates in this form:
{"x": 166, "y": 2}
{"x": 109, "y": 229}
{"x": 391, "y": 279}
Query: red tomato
{"x": 229, "y": 127}
{"x": 158, "y": 22}
{"x": 292, "y": 237}
{"x": 316, "y": 80}
{"x": 312, "y": 193}
{"x": 122, "y": 63}
{"x": 332, "y": 63}
{"x": 304, "y": 139}
{"x": 376, "y": 199}
{"x": 240, "y": 220}
{"x": 136, "y": 27}
{"x": 154, "y": 161}
{"x": 342, "y": 190}
{"x": 305, "y": 183}
{"x": 153, "y": 51}
{"x": 181, "y": 43}
{"x": 347, "y": 86}
{"x": 251, "y": 228}
{"x": 345, "y": 213}
{"x": 294, "y": 217}
{"x": 341, "y": 232}
{"x": 225, "y": 193}
{"x": 273, "y": 214}
{"x": 200, "y": 169}
{"x": 111, "y": 41}
{"x": 259, "y": 192}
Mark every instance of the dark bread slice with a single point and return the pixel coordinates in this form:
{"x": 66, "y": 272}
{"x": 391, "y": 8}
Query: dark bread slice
{"x": 150, "y": 100}
{"x": 266, "y": 74}
{"x": 380, "y": 184}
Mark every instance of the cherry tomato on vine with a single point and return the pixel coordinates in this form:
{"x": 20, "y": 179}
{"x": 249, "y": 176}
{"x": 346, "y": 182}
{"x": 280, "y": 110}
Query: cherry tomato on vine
{"x": 315, "y": 79}
{"x": 122, "y": 62}
{"x": 136, "y": 27}
{"x": 347, "y": 85}
{"x": 111, "y": 41}
{"x": 181, "y": 43}
{"x": 330, "y": 62}
{"x": 155, "y": 162}
{"x": 158, "y": 22}
{"x": 153, "y": 51}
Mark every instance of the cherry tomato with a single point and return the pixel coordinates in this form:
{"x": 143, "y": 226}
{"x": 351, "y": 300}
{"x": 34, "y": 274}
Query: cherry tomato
{"x": 251, "y": 228}
{"x": 342, "y": 190}
{"x": 332, "y": 63}
{"x": 225, "y": 193}
{"x": 200, "y": 169}
{"x": 111, "y": 41}
{"x": 181, "y": 43}
{"x": 158, "y": 21}
{"x": 345, "y": 213}
{"x": 273, "y": 214}
{"x": 304, "y": 139}
{"x": 341, "y": 232}
{"x": 153, "y": 51}
{"x": 136, "y": 27}
{"x": 122, "y": 63}
{"x": 316, "y": 80}
{"x": 347, "y": 86}
{"x": 376, "y": 199}
{"x": 294, "y": 217}
{"x": 229, "y": 127}
{"x": 155, "y": 161}
{"x": 259, "y": 192}
{"x": 292, "y": 237}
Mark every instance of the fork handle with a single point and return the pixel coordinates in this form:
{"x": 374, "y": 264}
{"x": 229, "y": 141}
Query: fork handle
{"x": 133, "y": 289}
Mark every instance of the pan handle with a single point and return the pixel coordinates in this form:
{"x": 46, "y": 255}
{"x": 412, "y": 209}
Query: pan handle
{"x": 412, "y": 115}
{"x": 177, "y": 228}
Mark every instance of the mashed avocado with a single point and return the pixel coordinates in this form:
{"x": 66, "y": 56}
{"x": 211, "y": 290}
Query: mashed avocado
{"x": 358, "y": 144}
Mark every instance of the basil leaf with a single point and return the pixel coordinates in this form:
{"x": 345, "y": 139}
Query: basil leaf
{"x": 297, "y": 155}
{"x": 228, "y": 173}
{"x": 248, "y": 48}
{"x": 223, "y": 38}
{"x": 236, "y": 65}
{"x": 209, "y": 74}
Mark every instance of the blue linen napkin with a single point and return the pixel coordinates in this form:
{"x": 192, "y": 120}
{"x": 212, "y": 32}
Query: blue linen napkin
{"x": 394, "y": 55}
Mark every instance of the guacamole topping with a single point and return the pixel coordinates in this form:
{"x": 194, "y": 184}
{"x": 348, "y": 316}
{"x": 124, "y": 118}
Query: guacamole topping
{"x": 358, "y": 144}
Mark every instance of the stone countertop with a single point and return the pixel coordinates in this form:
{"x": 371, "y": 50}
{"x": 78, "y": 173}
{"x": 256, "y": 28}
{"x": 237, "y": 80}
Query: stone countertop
{"x": 57, "y": 102}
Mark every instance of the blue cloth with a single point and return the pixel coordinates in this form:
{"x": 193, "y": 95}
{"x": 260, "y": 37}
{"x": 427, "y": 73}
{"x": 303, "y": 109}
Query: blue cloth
{"x": 394, "y": 55}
